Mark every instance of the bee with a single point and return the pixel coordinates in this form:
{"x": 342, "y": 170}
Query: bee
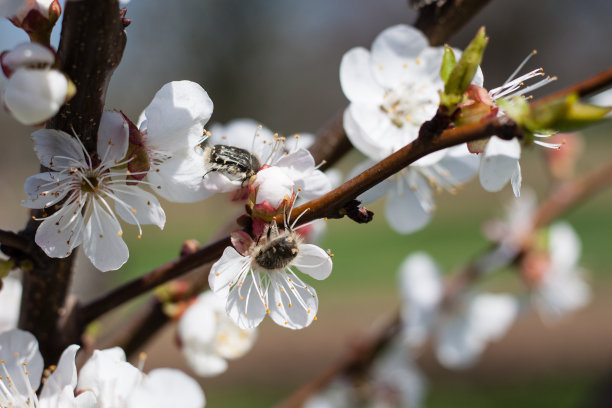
{"x": 233, "y": 162}
{"x": 278, "y": 251}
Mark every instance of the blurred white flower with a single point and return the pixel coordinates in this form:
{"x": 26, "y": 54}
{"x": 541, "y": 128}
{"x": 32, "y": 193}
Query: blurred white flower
{"x": 273, "y": 186}
{"x": 461, "y": 330}
{"x": 393, "y": 90}
{"x": 88, "y": 188}
{"x": 208, "y": 337}
{"x": 118, "y": 384}
{"x": 22, "y": 366}
{"x": 26, "y": 55}
{"x": 10, "y": 299}
{"x": 9, "y": 8}
{"x": 35, "y": 95}
{"x": 39, "y": 7}
{"x": 262, "y": 281}
{"x": 396, "y": 380}
{"x": 559, "y": 287}
{"x": 171, "y": 128}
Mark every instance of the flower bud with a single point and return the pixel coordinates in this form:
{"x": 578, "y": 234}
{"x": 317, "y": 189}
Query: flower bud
{"x": 26, "y": 55}
{"x": 271, "y": 192}
{"x": 37, "y": 18}
{"x": 33, "y": 95}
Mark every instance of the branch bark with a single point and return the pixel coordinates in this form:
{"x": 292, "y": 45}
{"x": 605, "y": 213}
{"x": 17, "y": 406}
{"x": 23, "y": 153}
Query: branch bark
{"x": 91, "y": 46}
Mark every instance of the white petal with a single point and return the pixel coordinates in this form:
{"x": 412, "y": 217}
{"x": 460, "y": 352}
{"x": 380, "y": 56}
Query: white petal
{"x": 364, "y": 133}
{"x": 421, "y": 290}
{"x": 61, "y": 232}
{"x": 177, "y": 114}
{"x": 34, "y": 95}
{"x": 10, "y": 299}
{"x": 564, "y": 245}
{"x": 292, "y": 304}
{"x": 227, "y": 269}
{"x": 274, "y": 186}
{"x": 244, "y": 304}
{"x": 314, "y": 185}
{"x": 166, "y": 387}
{"x": 205, "y": 365}
{"x": 180, "y": 178}
{"x": 16, "y": 347}
{"x": 109, "y": 376}
{"x": 28, "y": 54}
{"x": 102, "y": 242}
{"x": 313, "y": 261}
{"x": 492, "y": 315}
{"x": 356, "y": 77}
{"x": 516, "y": 180}
{"x": 58, "y": 150}
{"x": 394, "y": 47}
{"x": 455, "y": 348}
{"x": 297, "y": 163}
{"x": 44, "y": 189}
{"x": 409, "y": 208}
{"x": 498, "y": 163}
{"x": 113, "y": 137}
{"x": 139, "y": 205}
{"x": 65, "y": 375}
{"x": 460, "y": 164}
{"x": 10, "y": 8}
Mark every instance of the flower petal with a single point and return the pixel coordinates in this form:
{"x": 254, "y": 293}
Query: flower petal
{"x": 227, "y": 269}
{"x": 498, "y": 163}
{"x": 10, "y": 299}
{"x": 244, "y": 304}
{"x": 61, "y": 232}
{"x": 180, "y": 178}
{"x": 421, "y": 290}
{"x": 45, "y": 189}
{"x": 394, "y": 47}
{"x": 177, "y": 114}
{"x": 18, "y": 347}
{"x": 58, "y": 150}
{"x": 35, "y": 95}
{"x": 167, "y": 387}
{"x": 113, "y": 137}
{"x": 65, "y": 375}
{"x": 134, "y": 205}
{"x": 102, "y": 242}
{"x": 356, "y": 77}
{"x": 410, "y": 205}
{"x": 293, "y": 304}
{"x": 313, "y": 261}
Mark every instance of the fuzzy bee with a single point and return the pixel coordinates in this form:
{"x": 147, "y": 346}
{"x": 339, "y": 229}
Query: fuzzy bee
{"x": 278, "y": 251}
{"x": 233, "y": 162}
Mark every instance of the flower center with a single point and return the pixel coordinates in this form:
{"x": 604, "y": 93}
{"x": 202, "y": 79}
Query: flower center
{"x": 277, "y": 253}
{"x": 89, "y": 184}
{"x": 410, "y": 104}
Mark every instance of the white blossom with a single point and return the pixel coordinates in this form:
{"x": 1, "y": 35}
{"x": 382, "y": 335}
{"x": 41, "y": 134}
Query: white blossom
{"x": 87, "y": 191}
{"x": 461, "y": 330}
{"x": 208, "y": 337}
{"x": 35, "y": 95}
{"x": 560, "y": 289}
{"x": 22, "y": 367}
{"x": 118, "y": 384}
{"x": 171, "y": 128}
{"x": 393, "y": 90}
{"x": 262, "y": 280}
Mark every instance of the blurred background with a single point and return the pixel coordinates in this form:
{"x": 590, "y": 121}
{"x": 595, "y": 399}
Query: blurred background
{"x": 277, "y": 62}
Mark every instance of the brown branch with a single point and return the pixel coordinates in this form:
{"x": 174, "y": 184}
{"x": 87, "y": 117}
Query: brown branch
{"x": 566, "y": 197}
{"x": 91, "y": 46}
{"x": 589, "y": 86}
{"x": 13, "y": 241}
{"x": 439, "y": 23}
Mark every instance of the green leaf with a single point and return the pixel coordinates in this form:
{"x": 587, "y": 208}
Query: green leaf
{"x": 448, "y": 63}
{"x": 462, "y": 74}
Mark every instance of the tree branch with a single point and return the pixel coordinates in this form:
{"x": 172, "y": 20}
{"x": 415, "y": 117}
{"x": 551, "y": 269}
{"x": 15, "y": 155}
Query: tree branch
{"x": 439, "y": 23}
{"x": 13, "y": 241}
{"x": 91, "y": 46}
